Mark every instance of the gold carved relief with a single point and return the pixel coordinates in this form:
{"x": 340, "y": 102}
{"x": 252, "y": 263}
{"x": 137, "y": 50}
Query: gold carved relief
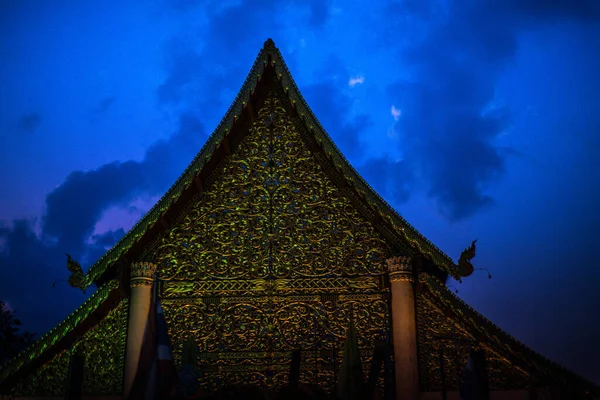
{"x": 49, "y": 380}
{"x": 273, "y": 257}
{"x": 103, "y": 348}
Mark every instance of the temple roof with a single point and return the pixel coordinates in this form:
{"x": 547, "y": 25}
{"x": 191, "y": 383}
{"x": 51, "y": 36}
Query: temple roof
{"x": 110, "y": 283}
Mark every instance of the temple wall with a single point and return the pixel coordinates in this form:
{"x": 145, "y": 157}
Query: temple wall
{"x": 103, "y": 348}
{"x": 270, "y": 258}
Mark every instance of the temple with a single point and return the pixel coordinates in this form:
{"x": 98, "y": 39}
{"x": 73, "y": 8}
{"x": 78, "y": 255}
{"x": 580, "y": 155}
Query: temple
{"x": 271, "y": 242}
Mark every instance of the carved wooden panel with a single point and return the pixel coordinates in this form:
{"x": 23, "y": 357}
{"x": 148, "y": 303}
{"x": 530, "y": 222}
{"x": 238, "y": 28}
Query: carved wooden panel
{"x": 273, "y": 257}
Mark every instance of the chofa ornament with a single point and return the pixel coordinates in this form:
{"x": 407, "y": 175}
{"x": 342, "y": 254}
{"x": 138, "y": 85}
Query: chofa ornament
{"x": 77, "y": 278}
{"x": 464, "y": 262}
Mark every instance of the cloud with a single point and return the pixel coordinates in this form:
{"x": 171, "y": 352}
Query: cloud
{"x": 539, "y": 10}
{"x": 74, "y": 207}
{"x": 28, "y": 270}
{"x": 108, "y": 239}
{"x": 185, "y": 67}
{"x": 455, "y": 57}
{"x": 28, "y": 123}
{"x": 72, "y": 211}
{"x": 356, "y": 80}
{"x": 395, "y": 113}
{"x": 206, "y": 65}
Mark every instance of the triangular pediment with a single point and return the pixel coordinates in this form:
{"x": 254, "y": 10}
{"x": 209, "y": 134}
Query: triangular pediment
{"x": 270, "y": 211}
{"x": 269, "y": 69}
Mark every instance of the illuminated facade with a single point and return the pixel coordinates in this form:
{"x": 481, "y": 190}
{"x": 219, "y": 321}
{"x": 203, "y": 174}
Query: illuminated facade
{"x": 268, "y": 243}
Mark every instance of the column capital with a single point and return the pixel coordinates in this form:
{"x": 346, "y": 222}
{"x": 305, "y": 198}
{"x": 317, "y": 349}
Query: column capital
{"x": 142, "y": 274}
{"x": 400, "y": 269}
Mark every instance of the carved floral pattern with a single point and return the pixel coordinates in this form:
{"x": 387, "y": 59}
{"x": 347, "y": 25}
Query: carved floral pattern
{"x": 103, "y": 348}
{"x": 273, "y": 257}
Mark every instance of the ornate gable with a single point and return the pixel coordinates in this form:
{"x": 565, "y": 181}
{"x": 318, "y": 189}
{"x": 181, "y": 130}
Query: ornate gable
{"x": 270, "y": 258}
{"x": 269, "y": 70}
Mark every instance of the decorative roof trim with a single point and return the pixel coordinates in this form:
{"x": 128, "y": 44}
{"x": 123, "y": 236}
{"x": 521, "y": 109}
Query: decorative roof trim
{"x": 56, "y": 334}
{"x": 500, "y": 337}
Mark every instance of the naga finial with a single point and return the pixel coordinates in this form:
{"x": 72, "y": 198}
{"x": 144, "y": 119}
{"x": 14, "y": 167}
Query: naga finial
{"x": 77, "y": 278}
{"x": 464, "y": 262}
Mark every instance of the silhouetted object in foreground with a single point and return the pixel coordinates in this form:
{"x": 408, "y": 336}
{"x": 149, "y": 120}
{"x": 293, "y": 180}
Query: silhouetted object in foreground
{"x": 295, "y": 372}
{"x": 76, "y": 366}
{"x": 474, "y": 385}
{"x": 351, "y": 383}
{"x": 188, "y": 386}
{"x": 236, "y": 392}
{"x": 376, "y": 364}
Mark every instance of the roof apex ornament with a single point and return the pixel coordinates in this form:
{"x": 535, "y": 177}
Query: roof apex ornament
{"x": 464, "y": 262}
{"x": 77, "y": 278}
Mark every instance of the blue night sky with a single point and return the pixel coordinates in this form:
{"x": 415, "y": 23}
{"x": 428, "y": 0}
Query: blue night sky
{"x": 474, "y": 119}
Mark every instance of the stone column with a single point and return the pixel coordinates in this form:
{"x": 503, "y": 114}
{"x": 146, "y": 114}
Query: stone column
{"x": 140, "y": 295}
{"x": 404, "y": 328}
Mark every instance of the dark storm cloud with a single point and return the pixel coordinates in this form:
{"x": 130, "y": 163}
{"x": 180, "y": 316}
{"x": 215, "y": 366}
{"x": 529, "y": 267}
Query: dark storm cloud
{"x": 582, "y": 10}
{"x": 73, "y": 208}
{"x": 28, "y": 123}
{"x": 329, "y": 100}
{"x": 28, "y": 270}
{"x": 223, "y": 59}
{"x": 72, "y": 211}
{"x": 450, "y": 122}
